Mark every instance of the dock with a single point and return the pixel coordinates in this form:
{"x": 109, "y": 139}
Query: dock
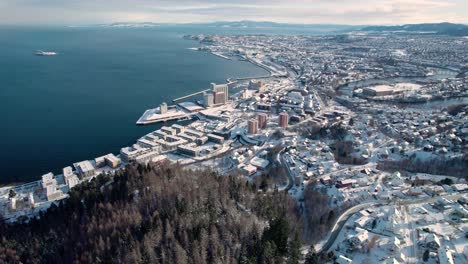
{"x": 253, "y": 78}
{"x": 190, "y": 95}
{"x": 221, "y": 55}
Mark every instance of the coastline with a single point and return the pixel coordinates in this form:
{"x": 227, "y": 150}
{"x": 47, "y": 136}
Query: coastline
{"x": 14, "y": 184}
{"x": 95, "y": 107}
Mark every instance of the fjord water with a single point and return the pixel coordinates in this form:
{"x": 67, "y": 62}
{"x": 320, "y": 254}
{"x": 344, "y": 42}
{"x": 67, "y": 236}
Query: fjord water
{"x": 84, "y": 102}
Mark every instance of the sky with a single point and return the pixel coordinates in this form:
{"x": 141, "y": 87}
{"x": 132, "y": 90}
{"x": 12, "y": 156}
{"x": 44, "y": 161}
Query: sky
{"x": 351, "y": 12}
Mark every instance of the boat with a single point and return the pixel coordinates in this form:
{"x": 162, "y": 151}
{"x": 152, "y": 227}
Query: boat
{"x": 45, "y": 53}
{"x": 430, "y": 73}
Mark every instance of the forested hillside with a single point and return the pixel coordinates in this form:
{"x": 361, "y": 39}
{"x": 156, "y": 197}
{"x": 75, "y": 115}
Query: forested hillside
{"x": 166, "y": 214}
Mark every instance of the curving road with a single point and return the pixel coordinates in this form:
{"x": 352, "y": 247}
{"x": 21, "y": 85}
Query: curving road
{"x": 340, "y": 222}
{"x": 281, "y": 162}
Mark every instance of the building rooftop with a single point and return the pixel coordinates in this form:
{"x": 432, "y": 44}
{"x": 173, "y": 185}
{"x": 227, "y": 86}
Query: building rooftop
{"x": 84, "y": 166}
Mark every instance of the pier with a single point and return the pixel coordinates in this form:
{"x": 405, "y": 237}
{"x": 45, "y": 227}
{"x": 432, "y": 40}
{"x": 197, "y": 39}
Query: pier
{"x": 190, "y": 95}
{"x": 221, "y": 55}
{"x": 251, "y": 78}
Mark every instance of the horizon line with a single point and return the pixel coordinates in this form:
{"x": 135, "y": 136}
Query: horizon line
{"x": 227, "y": 21}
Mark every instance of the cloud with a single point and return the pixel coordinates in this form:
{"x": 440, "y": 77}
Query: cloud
{"x": 296, "y": 11}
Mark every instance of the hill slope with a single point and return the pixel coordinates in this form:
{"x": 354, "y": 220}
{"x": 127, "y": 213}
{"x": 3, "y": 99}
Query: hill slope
{"x": 159, "y": 214}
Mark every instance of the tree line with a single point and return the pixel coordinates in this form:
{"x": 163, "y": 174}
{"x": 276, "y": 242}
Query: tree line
{"x": 160, "y": 214}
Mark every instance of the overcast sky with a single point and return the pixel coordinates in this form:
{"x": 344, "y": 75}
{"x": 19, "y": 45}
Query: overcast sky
{"x": 66, "y": 12}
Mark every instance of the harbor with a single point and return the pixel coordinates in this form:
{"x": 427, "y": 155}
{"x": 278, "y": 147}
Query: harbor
{"x": 186, "y": 111}
{"x": 152, "y": 116}
{"x": 218, "y": 95}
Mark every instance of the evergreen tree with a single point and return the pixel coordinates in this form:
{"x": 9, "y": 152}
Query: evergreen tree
{"x": 278, "y": 232}
{"x": 243, "y": 258}
{"x": 294, "y": 250}
{"x": 264, "y": 184}
{"x": 269, "y": 252}
{"x": 331, "y": 217}
{"x": 311, "y": 257}
{"x": 11, "y": 193}
{"x": 426, "y": 255}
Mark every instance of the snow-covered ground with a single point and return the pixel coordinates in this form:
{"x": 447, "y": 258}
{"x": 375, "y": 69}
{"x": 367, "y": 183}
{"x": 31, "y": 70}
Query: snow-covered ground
{"x": 403, "y": 232}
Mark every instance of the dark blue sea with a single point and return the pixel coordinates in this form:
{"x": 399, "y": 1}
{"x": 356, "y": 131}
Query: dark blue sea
{"x": 85, "y": 101}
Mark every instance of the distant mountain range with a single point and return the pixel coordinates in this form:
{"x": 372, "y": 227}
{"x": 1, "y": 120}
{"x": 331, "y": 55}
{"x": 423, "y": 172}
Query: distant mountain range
{"x": 130, "y": 24}
{"x": 434, "y": 28}
{"x": 245, "y": 24}
{"x": 269, "y": 24}
{"x": 427, "y": 28}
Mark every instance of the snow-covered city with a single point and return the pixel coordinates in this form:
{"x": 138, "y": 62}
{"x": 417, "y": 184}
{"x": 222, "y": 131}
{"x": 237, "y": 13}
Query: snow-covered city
{"x": 379, "y": 125}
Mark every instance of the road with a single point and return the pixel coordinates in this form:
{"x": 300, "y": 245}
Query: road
{"x": 412, "y": 232}
{"x": 286, "y": 167}
{"x": 413, "y": 249}
{"x": 282, "y": 162}
{"x": 340, "y": 222}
